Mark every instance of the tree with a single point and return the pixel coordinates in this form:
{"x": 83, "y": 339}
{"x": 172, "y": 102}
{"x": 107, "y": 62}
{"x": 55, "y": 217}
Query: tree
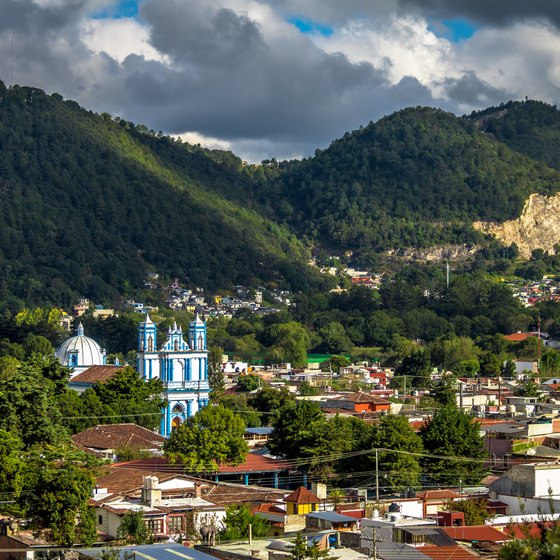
{"x": 130, "y": 398}
{"x": 417, "y": 366}
{"x": 302, "y": 550}
{"x": 12, "y": 464}
{"x": 271, "y": 402}
{"x": 215, "y": 374}
{"x": 249, "y": 382}
{"x": 289, "y": 343}
{"x": 61, "y": 481}
{"x": 213, "y": 436}
{"x": 298, "y": 430}
{"x": 334, "y": 339}
{"x": 133, "y": 528}
{"x": 237, "y": 521}
{"x": 399, "y": 470}
{"x": 543, "y": 546}
{"x": 475, "y": 510}
{"x": 445, "y": 390}
{"x": 452, "y": 433}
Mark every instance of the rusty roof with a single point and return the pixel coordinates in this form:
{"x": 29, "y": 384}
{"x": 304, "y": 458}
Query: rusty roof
{"x": 113, "y": 436}
{"x": 96, "y": 374}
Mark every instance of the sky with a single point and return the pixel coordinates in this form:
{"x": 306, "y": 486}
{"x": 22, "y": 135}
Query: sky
{"x": 280, "y": 78}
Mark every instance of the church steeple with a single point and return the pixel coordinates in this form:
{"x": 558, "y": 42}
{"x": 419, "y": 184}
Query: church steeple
{"x": 197, "y": 333}
{"x": 147, "y": 335}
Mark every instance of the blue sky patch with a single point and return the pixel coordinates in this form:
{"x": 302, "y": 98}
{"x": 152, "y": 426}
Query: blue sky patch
{"x": 120, "y": 9}
{"x": 453, "y": 29}
{"x": 311, "y": 27}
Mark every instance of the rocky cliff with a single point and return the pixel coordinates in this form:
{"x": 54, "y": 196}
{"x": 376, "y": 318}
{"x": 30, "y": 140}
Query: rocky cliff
{"x": 538, "y": 227}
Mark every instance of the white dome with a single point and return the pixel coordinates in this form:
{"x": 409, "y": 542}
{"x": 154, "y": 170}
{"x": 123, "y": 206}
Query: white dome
{"x": 80, "y": 352}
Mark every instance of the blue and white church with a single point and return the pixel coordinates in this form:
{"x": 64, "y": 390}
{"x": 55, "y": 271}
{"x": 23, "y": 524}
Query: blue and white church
{"x": 181, "y": 364}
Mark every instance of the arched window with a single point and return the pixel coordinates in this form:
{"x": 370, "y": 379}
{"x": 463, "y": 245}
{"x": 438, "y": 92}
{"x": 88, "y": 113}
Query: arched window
{"x": 150, "y": 343}
{"x": 178, "y": 408}
{"x": 176, "y": 346}
{"x": 200, "y": 342}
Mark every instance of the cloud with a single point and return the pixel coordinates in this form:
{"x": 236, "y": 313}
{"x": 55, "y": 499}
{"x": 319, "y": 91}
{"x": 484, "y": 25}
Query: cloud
{"x": 240, "y": 74}
{"x": 494, "y": 12}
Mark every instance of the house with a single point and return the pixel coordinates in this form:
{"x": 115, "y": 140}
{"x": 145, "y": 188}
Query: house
{"x": 301, "y": 502}
{"x": 359, "y": 402}
{"x": 434, "y": 500}
{"x": 531, "y": 488}
{"x": 257, "y": 437}
{"x": 329, "y": 520}
{"x": 106, "y": 439}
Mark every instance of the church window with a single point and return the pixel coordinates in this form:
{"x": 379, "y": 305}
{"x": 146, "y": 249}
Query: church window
{"x": 200, "y": 343}
{"x": 178, "y": 408}
{"x": 176, "y": 346}
{"x": 142, "y": 345}
{"x": 150, "y": 344}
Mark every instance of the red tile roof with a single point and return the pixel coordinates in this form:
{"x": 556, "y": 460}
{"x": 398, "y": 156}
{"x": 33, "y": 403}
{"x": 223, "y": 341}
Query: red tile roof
{"x": 96, "y": 374}
{"x": 253, "y": 463}
{"x": 302, "y": 496}
{"x": 269, "y": 508}
{"x": 446, "y": 552}
{"x": 438, "y": 495}
{"x": 519, "y": 336}
{"x": 361, "y": 397}
{"x": 113, "y": 436}
{"x": 476, "y": 533}
{"x": 524, "y": 530}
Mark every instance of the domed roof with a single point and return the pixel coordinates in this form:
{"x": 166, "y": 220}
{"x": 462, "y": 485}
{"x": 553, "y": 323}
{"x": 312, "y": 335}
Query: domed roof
{"x": 87, "y": 351}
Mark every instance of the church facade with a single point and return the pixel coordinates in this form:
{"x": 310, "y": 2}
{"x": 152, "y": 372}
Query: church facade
{"x": 182, "y": 366}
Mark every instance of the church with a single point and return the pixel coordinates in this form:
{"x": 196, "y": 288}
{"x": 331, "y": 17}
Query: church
{"x": 181, "y": 364}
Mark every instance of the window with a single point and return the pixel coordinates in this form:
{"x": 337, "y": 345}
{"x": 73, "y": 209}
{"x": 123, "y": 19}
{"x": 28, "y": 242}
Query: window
{"x": 150, "y": 344}
{"x": 175, "y": 524}
{"x": 155, "y": 526}
{"x": 100, "y": 520}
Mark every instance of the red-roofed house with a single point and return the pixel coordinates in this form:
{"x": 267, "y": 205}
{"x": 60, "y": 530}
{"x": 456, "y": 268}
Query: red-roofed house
{"x": 302, "y": 501}
{"x": 360, "y": 402}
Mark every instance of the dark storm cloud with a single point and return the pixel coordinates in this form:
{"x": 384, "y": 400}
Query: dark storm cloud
{"x": 494, "y": 12}
{"x": 227, "y": 81}
{"x": 471, "y": 90}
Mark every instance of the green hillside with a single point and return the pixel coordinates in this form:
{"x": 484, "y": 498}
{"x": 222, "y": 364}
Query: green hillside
{"x": 415, "y": 178}
{"x": 89, "y": 204}
{"x": 530, "y": 127}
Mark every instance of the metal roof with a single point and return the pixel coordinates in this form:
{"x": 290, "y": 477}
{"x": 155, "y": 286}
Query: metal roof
{"x": 167, "y": 551}
{"x": 264, "y": 431}
{"x": 331, "y": 516}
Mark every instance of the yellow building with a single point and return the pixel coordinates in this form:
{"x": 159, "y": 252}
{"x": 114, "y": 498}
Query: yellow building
{"x": 301, "y": 501}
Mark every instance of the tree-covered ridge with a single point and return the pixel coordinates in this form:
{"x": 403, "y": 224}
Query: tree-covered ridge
{"x": 530, "y": 127}
{"x": 90, "y": 203}
{"x": 417, "y": 177}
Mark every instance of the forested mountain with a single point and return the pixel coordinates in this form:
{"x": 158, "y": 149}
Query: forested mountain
{"x": 415, "y": 178}
{"x": 530, "y": 127}
{"x": 89, "y": 204}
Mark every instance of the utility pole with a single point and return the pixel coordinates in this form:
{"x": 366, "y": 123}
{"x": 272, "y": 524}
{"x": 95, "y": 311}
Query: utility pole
{"x": 374, "y": 541}
{"x": 447, "y": 269}
{"x": 376, "y": 476}
{"x": 539, "y": 345}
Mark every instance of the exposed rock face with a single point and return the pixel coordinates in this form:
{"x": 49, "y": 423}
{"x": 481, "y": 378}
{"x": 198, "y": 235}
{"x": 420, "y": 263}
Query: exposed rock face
{"x": 436, "y": 253}
{"x": 538, "y": 227}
